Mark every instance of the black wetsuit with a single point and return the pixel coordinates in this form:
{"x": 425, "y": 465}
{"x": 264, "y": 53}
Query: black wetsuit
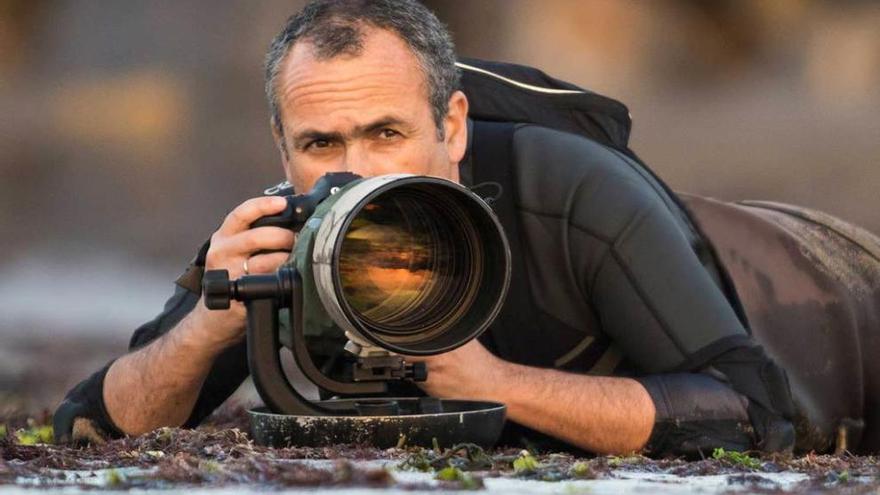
{"x": 617, "y": 282}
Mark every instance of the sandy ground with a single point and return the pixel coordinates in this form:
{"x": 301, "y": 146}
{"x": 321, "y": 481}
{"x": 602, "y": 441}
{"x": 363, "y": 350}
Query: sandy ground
{"x": 620, "y": 482}
{"x": 219, "y": 458}
{"x": 623, "y": 480}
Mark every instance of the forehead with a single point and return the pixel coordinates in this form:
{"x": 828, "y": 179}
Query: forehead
{"x": 385, "y": 76}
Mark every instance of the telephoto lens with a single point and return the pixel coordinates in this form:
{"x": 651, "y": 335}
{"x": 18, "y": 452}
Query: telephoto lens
{"x": 413, "y": 264}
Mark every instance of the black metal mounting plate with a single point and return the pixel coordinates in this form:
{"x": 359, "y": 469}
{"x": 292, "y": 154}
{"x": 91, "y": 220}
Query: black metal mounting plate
{"x": 461, "y": 421}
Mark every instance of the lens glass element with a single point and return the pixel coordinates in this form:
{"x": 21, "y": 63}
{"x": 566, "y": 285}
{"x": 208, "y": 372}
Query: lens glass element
{"x": 409, "y": 264}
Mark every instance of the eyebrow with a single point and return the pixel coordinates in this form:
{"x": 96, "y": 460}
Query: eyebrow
{"x": 308, "y": 135}
{"x": 388, "y": 120}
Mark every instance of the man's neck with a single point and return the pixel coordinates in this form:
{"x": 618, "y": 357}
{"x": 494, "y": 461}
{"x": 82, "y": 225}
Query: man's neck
{"x": 466, "y": 166}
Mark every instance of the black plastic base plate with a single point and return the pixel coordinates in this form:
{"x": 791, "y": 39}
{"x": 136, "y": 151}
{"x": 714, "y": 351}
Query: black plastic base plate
{"x": 461, "y": 421}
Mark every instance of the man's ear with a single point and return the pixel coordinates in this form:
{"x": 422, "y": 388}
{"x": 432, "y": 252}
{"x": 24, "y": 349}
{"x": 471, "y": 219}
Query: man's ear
{"x": 282, "y": 148}
{"x": 455, "y": 126}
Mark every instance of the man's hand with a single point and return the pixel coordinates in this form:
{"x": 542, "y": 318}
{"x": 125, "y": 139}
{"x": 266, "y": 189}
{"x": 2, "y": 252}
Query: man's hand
{"x": 464, "y": 373}
{"x": 605, "y": 415}
{"x": 158, "y": 384}
{"x": 233, "y": 244}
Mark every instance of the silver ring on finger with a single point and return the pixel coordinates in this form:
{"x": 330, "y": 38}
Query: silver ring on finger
{"x": 245, "y": 267}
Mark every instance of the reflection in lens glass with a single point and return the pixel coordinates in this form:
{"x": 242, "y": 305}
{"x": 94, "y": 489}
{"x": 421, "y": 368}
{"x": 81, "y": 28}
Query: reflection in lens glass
{"x": 407, "y": 264}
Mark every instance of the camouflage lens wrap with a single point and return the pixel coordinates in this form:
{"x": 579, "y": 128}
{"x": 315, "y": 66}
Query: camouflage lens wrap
{"x": 319, "y": 326}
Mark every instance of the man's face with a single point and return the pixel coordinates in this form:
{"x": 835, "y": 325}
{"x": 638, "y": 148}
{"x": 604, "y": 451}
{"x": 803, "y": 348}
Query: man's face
{"x": 368, "y": 114}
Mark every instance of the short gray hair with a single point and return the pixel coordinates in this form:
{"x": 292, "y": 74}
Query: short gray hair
{"x": 335, "y": 27}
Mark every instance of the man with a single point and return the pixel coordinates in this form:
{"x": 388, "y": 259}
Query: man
{"x": 623, "y": 283}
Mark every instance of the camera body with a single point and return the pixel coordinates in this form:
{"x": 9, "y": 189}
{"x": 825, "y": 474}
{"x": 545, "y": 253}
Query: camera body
{"x": 301, "y": 206}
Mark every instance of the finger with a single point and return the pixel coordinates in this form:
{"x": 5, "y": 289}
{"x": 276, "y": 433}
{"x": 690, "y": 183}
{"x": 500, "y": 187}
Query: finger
{"x": 241, "y": 218}
{"x": 249, "y": 242}
{"x": 267, "y": 263}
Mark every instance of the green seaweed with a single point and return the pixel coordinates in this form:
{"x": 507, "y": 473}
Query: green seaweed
{"x": 581, "y": 470}
{"x": 34, "y": 434}
{"x": 113, "y": 477}
{"x": 526, "y": 463}
{"x": 617, "y": 461}
{"x": 210, "y": 466}
{"x": 464, "y": 456}
{"x": 419, "y": 460}
{"x": 735, "y": 458}
{"x": 465, "y": 480}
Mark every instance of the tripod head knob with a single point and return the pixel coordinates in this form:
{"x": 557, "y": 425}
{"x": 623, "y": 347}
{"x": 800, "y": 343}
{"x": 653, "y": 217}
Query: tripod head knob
{"x": 217, "y": 289}
{"x": 419, "y": 372}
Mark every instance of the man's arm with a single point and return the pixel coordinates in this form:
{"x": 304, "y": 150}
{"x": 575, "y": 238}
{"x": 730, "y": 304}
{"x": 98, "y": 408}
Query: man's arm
{"x": 158, "y": 384}
{"x": 675, "y": 413}
{"x": 606, "y": 415}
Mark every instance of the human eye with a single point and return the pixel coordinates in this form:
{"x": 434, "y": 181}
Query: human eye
{"x": 318, "y": 145}
{"x": 387, "y": 133}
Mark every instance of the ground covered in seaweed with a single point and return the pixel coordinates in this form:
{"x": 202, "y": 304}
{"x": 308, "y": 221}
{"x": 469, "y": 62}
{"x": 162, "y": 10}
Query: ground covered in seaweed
{"x": 221, "y": 454}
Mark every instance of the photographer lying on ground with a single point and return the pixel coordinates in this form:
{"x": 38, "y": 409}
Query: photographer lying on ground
{"x": 625, "y": 329}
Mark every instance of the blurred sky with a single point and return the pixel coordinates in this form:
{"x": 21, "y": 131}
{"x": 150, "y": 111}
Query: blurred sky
{"x": 128, "y": 129}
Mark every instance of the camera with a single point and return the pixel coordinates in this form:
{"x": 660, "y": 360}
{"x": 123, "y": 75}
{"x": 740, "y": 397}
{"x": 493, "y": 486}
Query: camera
{"x": 402, "y": 265}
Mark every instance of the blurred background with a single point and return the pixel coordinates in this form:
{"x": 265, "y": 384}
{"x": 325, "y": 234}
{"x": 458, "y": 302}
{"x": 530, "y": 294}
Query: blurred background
{"x": 128, "y": 129}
